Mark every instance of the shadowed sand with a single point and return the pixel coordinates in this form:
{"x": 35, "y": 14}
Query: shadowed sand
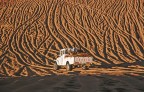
{"x": 115, "y": 79}
{"x": 74, "y": 83}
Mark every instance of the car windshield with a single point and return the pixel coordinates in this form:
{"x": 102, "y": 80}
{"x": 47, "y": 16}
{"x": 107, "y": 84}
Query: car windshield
{"x": 71, "y": 51}
{"x": 66, "y": 51}
{"x": 80, "y": 51}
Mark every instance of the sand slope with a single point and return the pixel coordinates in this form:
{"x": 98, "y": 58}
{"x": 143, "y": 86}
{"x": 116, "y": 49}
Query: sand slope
{"x": 33, "y": 31}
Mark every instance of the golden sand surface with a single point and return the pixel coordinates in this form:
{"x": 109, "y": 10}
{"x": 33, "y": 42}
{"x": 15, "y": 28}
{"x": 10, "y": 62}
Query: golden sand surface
{"x": 33, "y": 31}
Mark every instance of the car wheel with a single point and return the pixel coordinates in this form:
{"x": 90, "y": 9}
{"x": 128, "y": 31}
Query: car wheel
{"x": 56, "y": 67}
{"x": 68, "y": 67}
{"x": 85, "y": 67}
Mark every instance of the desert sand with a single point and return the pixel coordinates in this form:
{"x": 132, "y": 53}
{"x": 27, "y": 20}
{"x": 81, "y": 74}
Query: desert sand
{"x": 115, "y": 79}
{"x": 33, "y": 31}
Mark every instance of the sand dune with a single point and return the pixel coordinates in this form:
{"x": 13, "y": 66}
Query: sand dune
{"x": 33, "y": 31}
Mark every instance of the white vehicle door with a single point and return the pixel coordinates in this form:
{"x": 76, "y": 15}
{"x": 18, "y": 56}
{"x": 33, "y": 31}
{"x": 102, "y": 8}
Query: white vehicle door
{"x": 62, "y": 54}
{"x": 63, "y": 59}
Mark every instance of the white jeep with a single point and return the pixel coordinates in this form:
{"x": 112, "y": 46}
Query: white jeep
{"x": 71, "y": 58}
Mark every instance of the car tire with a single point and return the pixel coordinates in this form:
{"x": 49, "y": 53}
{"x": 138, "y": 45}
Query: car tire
{"x": 56, "y": 67}
{"x": 85, "y": 67}
{"x": 68, "y": 66}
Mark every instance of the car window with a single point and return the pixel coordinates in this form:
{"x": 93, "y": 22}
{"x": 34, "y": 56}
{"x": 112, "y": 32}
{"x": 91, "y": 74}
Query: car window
{"x": 60, "y": 53}
{"x": 66, "y": 51}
